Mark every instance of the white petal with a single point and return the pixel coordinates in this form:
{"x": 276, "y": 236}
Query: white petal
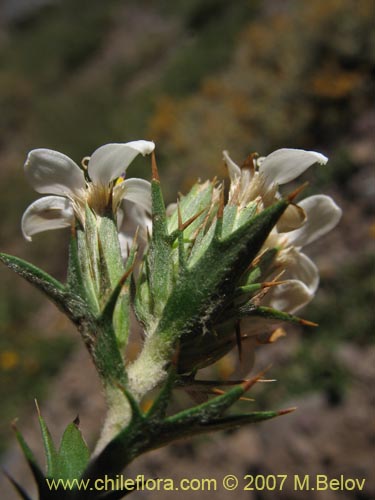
{"x": 52, "y": 172}
{"x": 136, "y": 190}
{"x": 126, "y": 241}
{"x": 300, "y": 267}
{"x": 290, "y": 296}
{"x": 139, "y": 216}
{"x": 134, "y": 216}
{"x": 170, "y": 209}
{"x": 284, "y": 165}
{"x": 322, "y": 215}
{"x": 50, "y": 212}
{"x": 233, "y": 169}
{"x": 111, "y": 160}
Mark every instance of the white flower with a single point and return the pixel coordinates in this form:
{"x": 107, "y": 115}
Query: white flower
{"x": 259, "y": 179}
{"x": 101, "y": 185}
{"x": 301, "y": 224}
{"x": 301, "y": 276}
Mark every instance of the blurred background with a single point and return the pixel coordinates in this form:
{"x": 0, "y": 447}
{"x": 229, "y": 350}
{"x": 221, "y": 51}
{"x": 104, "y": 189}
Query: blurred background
{"x": 197, "y": 77}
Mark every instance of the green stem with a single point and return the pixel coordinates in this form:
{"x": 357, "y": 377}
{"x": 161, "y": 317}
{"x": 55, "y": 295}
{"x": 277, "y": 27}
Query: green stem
{"x": 144, "y": 374}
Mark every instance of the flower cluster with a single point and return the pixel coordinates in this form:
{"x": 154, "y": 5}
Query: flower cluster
{"x": 213, "y": 274}
{"x": 277, "y": 276}
{"x": 100, "y": 184}
{"x": 258, "y": 180}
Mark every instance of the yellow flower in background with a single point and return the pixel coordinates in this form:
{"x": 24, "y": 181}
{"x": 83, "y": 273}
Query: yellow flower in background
{"x": 9, "y": 360}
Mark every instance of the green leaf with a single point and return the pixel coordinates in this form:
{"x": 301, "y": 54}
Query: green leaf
{"x": 121, "y": 294}
{"x": 112, "y": 270}
{"x": 229, "y": 217}
{"x": 83, "y": 265}
{"x": 198, "y": 200}
{"x": 75, "y": 280}
{"x": 106, "y": 354}
{"x": 92, "y": 240}
{"x": 245, "y": 214}
{"x": 49, "y": 448}
{"x": 109, "y": 248}
{"x": 212, "y": 408}
{"x": 38, "y": 475}
{"x": 159, "y": 255}
{"x": 232, "y": 421}
{"x": 203, "y": 289}
{"x": 73, "y": 454}
{"x": 270, "y": 313}
{"x": 64, "y": 298}
{"x": 37, "y": 277}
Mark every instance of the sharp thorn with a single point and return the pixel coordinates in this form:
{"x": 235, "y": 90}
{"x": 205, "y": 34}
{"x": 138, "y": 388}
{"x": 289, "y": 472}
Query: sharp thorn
{"x": 154, "y": 167}
{"x": 220, "y": 392}
{"x": 296, "y": 192}
{"x": 247, "y": 384}
{"x": 37, "y": 407}
{"x": 268, "y": 284}
{"x": 126, "y": 275}
{"x": 286, "y": 411}
{"x": 192, "y": 219}
{"x": 307, "y": 322}
{"x": 180, "y": 225}
{"x": 220, "y": 211}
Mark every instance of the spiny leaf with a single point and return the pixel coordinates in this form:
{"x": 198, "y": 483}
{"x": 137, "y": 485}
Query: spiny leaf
{"x": 245, "y": 214}
{"x": 75, "y": 281}
{"x": 109, "y": 247}
{"x": 232, "y": 421}
{"x": 159, "y": 217}
{"x": 193, "y": 208}
{"x": 37, "y": 277}
{"x": 63, "y": 297}
{"x": 206, "y": 285}
{"x": 270, "y": 313}
{"x": 159, "y": 255}
{"x": 106, "y": 353}
{"x": 112, "y": 266}
{"x": 49, "y": 447}
{"x": 215, "y": 406}
{"x": 91, "y": 234}
{"x": 33, "y": 464}
{"x": 110, "y": 305}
